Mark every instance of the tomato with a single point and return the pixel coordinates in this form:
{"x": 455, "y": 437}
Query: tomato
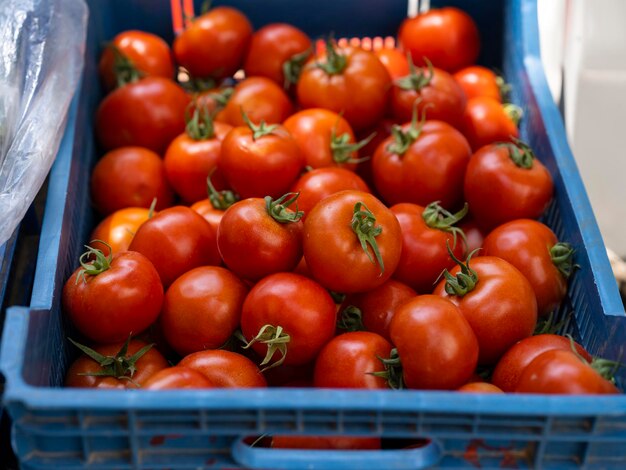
{"x": 315, "y": 185}
{"x": 118, "y": 229}
{"x": 349, "y": 81}
{"x": 202, "y": 309}
{"x": 175, "y": 378}
{"x": 426, "y": 235}
{"x": 176, "y": 240}
{"x": 289, "y": 314}
{"x": 260, "y": 161}
{"x": 438, "y": 96}
{"x": 352, "y": 242}
{"x": 225, "y": 369}
{"x": 497, "y": 300}
{"x": 394, "y": 61}
{"x": 473, "y": 235}
{"x": 377, "y": 306}
{"x": 511, "y": 365}
{"x": 277, "y": 51}
{"x": 562, "y": 372}
{"x": 486, "y": 121}
{"x": 212, "y": 208}
{"x": 448, "y": 37}
{"x": 130, "y": 369}
{"x": 147, "y": 113}
{"x": 480, "y": 81}
{"x": 214, "y": 100}
{"x": 435, "y": 342}
{"x": 129, "y": 177}
{"x": 109, "y": 297}
{"x": 422, "y": 163}
{"x": 326, "y": 442}
{"x": 193, "y": 155}
{"x": 505, "y": 182}
{"x": 533, "y": 248}
{"x": 134, "y": 52}
{"x": 350, "y": 359}
{"x": 380, "y": 133}
{"x": 214, "y": 44}
{"x": 479, "y": 387}
{"x": 272, "y": 241}
{"x": 261, "y": 99}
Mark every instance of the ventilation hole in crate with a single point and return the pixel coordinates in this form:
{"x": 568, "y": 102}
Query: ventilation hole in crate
{"x": 562, "y": 454}
{"x": 487, "y": 453}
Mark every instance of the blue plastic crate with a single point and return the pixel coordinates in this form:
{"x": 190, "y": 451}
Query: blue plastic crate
{"x": 72, "y": 429}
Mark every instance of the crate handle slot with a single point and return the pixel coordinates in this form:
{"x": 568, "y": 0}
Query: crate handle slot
{"x": 296, "y": 459}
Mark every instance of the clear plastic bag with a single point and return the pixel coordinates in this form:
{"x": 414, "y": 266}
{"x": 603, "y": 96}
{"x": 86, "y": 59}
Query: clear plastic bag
{"x": 41, "y": 58}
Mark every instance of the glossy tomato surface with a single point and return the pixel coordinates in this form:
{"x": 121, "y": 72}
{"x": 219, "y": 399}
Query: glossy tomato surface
{"x": 177, "y": 378}
{"x": 118, "y": 229}
{"x": 225, "y": 369}
{"x": 486, "y": 121}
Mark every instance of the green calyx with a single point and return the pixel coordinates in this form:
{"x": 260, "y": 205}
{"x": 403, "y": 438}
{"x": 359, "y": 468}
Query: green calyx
{"x": 417, "y": 78}
{"x": 605, "y": 367}
{"x": 350, "y": 319}
{"x": 503, "y": 87}
{"x": 514, "y": 112}
{"x": 393, "y": 370}
{"x": 521, "y": 154}
{"x": 222, "y": 97}
{"x": 220, "y": 200}
{"x": 335, "y": 62}
{"x": 198, "y": 84}
{"x": 120, "y": 366}
{"x": 403, "y": 139}
{"x": 364, "y": 226}
{"x": 436, "y": 217}
{"x": 277, "y": 341}
{"x": 258, "y": 131}
{"x": 342, "y": 149}
{"x": 292, "y": 68}
{"x": 277, "y": 209}
{"x": 97, "y": 265}
{"x": 562, "y": 255}
{"x": 124, "y": 68}
{"x": 465, "y": 281}
{"x": 200, "y": 124}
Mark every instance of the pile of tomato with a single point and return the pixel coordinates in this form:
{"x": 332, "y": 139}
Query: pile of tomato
{"x": 333, "y": 217}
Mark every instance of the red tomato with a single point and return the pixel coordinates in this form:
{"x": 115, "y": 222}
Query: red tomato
{"x": 486, "y": 121}
{"x": 435, "y": 342}
{"x": 289, "y": 314}
{"x": 533, "y": 248}
{"x": 147, "y": 113}
{"x": 326, "y": 442}
{"x": 352, "y": 242}
{"x": 118, "y": 229}
{"x": 426, "y": 164}
{"x": 497, "y": 300}
{"x": 225, "y": 369}
{"x": 479, "y": 387}
{"x": 562, "y": 372}
{"x": 325, "y": 138}
{"x": 479, "y": 81}
{"x": 377, "y": 306}
{"x": 277, "y": 51}
{"x": 212, "y": 208}
{"x": 473, "y": 234}
{"x": 272, "y": 241}
{"x": 395, "y": 62}
{"x": 214, "y": 44}
{"x": 175, "y": 378}
{"x": 260, "y": 161}
{"x": 129, "y": 177}
{"x": 426, "y": 235}
{"x": 440, "y": 96}
{"x": 176, "y": 240}
{"x": 315, "y": 185}
{"x": 133, "y": 53}
{"x": 202, "y": 309}
{"x": 348, "y": 80}
{"x": 130, "y": 371}
{"x": 380, "y": 132}
{"x": 511, "y": 365}
{"x": 448, "y": 37}
{"x": 505, "y": 182}
{"x": 108, "y": 298}
{"x": 261, "y": 99}
{"x": 191, "y": 157}
{"x": 348, "y": 361}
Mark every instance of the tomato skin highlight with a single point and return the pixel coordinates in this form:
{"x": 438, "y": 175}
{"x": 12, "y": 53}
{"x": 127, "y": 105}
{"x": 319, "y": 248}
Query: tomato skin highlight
{"x": 124, "y": 299}
{"x": 435, "y": 342}
{"x": 478, "y": 81}
{"x": 177, "y": 377}
{"x": 348, "y": 361}
{"x": 225, "y": 369}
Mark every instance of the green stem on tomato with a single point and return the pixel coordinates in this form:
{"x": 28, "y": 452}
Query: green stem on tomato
{"x": 465, "y": 281}
{"x": 436, "y": 217}
{"x": 277, "y": 209}
{"x": 364, "y": 226}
